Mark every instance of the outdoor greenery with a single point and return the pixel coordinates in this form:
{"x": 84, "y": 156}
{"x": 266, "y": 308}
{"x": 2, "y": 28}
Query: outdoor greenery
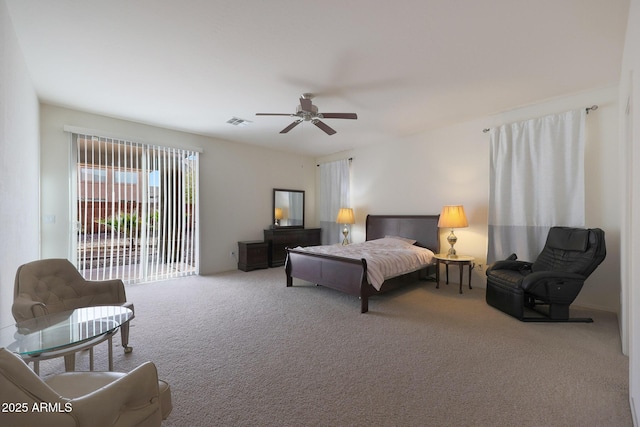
{"x": 128, "y": 223}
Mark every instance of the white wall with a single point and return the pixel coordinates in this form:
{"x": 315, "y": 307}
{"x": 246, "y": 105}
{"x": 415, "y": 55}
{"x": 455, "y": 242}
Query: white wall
{"x": 19, "y": 165}
{"x": 419, "y": 174}
{"x": 630, "y": 162}
{"x": 236, "y": 182}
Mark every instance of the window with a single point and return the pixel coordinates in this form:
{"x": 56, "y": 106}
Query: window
{"x": 93, "y": 175}
{"x": 125, "y": 177}
{"x": 334, "y": 194}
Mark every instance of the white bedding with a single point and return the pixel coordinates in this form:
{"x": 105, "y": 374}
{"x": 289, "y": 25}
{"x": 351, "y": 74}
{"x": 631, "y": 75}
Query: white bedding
{"x": 387, "y": 257}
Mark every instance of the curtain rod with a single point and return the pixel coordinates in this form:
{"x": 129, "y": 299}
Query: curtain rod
{"x": 350, "y": 160}
{"x": 592, "y": 108}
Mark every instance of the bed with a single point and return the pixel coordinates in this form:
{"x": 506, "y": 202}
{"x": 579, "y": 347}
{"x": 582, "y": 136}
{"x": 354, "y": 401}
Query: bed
{"x": 351, "y": 275}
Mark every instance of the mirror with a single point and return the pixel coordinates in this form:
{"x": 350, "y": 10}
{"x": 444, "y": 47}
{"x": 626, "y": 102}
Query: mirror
{"x": 288, "y": 208}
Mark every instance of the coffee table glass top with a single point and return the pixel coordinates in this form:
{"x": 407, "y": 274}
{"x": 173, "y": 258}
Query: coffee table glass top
{"x": 58, "y": 330}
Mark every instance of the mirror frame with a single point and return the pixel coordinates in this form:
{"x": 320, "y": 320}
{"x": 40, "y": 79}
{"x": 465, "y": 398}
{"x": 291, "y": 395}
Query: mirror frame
{"x": 273, "y": 210}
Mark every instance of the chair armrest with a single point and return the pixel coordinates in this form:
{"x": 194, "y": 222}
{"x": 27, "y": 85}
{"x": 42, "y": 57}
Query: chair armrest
{"x": 508, "y": 265}
{"x": 25, "y": 308}
{"x": 134, "y": 396}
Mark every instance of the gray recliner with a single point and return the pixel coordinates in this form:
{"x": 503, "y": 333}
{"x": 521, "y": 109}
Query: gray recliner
{"x": 54, "y": 285}
{"x": 554, "y": 280}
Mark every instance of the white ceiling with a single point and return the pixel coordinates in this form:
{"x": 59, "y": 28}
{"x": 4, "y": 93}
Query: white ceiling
{"x": 404, "y": 66}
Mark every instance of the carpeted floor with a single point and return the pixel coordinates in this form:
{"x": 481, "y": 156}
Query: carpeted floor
{"x": 241, "y": 349}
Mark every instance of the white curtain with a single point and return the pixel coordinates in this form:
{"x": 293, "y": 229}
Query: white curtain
{"x": 334, "y": 194}
{"x": 536, "y": 182}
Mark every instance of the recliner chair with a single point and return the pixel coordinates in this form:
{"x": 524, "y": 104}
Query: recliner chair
{"x": 569, "y": 256}
{"x": 54, "y": 285}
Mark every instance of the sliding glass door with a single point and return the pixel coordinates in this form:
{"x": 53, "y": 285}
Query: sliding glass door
{"x": 136, "y": 207}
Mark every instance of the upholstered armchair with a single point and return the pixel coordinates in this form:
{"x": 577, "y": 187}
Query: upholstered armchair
{"x": 569, "y": 256}
{"x": 136, "y": 398}
{"x": 55, "y": 285}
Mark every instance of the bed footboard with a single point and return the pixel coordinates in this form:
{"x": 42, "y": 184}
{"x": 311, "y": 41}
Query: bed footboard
{"x": 343, "y": 274}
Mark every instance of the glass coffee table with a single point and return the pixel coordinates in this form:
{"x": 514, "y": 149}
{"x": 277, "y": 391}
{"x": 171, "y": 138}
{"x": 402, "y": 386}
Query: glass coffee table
{"x": 64, "y": 334}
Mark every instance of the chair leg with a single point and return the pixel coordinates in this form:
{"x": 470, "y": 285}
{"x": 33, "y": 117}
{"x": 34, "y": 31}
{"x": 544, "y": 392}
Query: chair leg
{"x": 549, "y": 320}
{"x": 124, "y": 333}
{"x": 556, "y": 313}
{"x": 559, "y": 311}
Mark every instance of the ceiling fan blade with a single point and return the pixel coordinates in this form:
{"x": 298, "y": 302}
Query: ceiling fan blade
{"x": 340, "y": 116}
{"x": 274, "y": 114}
{"x": 328, "y": 130}
{"x": 305, "y": 104}
{"x": 291, "y": 126}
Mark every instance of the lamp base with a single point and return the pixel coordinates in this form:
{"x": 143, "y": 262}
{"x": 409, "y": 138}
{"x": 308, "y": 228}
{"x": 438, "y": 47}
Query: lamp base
{"x": 345, "y": 233}
{"x": 452, "y": 239}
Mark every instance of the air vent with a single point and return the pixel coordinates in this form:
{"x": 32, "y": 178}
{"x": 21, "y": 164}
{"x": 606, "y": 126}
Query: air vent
{"x": 236, "y": 121}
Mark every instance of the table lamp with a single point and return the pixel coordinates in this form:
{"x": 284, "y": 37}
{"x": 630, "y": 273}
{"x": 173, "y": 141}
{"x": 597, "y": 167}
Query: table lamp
{"x": 452, "y": 216}
{"x": 278, "y": 215}
{"x": 345, "y": 216}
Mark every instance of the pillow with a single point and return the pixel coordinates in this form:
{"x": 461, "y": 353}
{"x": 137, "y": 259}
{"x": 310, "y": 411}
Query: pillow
{"x": 404, "y": 239}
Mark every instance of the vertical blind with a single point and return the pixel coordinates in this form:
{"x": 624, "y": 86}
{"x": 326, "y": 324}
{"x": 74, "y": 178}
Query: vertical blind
{"x": 137, "y": 210}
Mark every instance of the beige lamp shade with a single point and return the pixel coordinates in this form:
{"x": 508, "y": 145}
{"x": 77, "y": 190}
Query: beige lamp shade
{"x": 452, "y": 216}
{"x": 345, "y": 216}
{"x": 278, "y": 213}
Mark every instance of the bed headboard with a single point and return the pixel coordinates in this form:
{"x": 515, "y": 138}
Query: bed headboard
{"x": 423, "y": 228}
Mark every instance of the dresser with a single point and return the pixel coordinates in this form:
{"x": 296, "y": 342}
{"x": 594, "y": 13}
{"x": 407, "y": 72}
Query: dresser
{"x": 279, "y": 239}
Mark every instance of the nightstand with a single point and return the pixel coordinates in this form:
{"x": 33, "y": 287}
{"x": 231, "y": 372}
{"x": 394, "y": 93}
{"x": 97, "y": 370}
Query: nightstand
{"x": 460, "y": 260}
{"x": 253, "y": 255}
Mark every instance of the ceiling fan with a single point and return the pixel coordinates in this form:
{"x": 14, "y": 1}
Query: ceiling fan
{"x": 306, "y": 112}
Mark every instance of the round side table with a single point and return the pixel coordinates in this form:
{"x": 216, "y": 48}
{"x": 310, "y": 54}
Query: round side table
{"x": 460, "y": 260}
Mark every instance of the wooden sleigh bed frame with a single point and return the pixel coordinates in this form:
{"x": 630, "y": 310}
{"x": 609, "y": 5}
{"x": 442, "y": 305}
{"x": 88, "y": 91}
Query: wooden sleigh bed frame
{"x": 350, "y": 275}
